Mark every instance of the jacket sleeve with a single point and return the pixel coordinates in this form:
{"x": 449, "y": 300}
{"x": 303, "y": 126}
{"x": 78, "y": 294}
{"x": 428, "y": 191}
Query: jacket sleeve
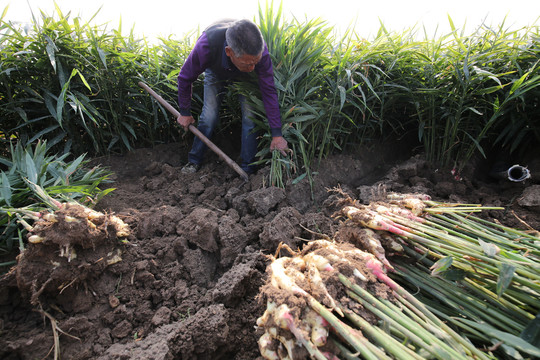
{"x": 269, "y": 95}
{"x": 195, "y": 65}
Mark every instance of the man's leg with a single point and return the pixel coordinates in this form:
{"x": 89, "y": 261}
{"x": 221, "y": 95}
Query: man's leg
{"x": 209, "y": 115}
{"x": 249, "y": 137}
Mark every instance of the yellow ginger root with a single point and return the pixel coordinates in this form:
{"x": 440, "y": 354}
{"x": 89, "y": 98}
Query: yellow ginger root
{"x": 319, "y": 328}
{"x": 371, "y": 219}
{"x": 279, "y": 316}
{"x": 342, "y": 256}
{"x": 35, "y": 239}
{"x": 391, "y": 243}
{"x": 281, "y": 280}
{"x": 397, "y": 196}
{"x": 417, "y": 206}
{"x": 70, "y": 219}
{"x": 397, "y": 210}
{"x": 415, "y": 202}
{"x": 50, "y": 217}
{"x": 375, "y": 247}
{"x": 271, "y": 343}
{"x": 270, "y": 308}
{"x": 320, "y": 262}
{"x": 365, "y": 217}
{"x": 289, "y": 345}
{"x": 92, "y": 214}
{"x": 266, "y": 347}
{"x": 325, "y": 262}
{"x": 122, "y": 229}
{"x": 317, "y": 282}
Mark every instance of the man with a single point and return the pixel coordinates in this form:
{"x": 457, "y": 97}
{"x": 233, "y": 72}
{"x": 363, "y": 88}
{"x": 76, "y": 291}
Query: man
{"x": 225, "y": 52}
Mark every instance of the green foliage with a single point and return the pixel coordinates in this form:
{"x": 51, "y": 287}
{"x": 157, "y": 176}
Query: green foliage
{"x": 29, "y": 166}
{"x": 463, "y": 92}
{"x": 75, "y": 84}
{"x": 459, "y": 93}
{"x": 67, "y": 86}
{"x": 323, "y": 106}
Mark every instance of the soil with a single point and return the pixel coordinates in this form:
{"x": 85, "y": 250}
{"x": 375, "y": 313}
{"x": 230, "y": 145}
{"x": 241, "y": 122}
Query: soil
{"x": 186, "y": 282}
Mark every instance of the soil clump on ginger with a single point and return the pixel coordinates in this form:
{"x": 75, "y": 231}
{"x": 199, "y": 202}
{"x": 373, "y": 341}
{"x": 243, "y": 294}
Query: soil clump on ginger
{"x": 188, "y": 278}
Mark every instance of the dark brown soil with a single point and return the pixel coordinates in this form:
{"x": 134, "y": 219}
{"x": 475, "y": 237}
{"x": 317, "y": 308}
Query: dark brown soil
{"x": 191, "y": 272}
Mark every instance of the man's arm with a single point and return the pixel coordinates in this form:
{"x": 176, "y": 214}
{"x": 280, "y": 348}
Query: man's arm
{"x": 196, "y": 63}
{"x": 269, "y": 96}
{"x": 265, "y": 73}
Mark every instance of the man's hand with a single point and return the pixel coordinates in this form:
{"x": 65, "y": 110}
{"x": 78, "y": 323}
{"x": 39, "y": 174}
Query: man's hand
{"x": 280, "y": 144}
{"x": 185, "y": 121}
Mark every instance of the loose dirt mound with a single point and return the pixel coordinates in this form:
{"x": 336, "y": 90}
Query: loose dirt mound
{"x": 191, "y": 272}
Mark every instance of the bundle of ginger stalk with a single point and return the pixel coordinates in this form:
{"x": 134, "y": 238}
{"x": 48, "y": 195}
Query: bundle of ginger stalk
{"x": 334, "y": 299}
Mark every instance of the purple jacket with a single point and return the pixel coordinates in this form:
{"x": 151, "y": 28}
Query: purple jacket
{"x": 202, "y": 57}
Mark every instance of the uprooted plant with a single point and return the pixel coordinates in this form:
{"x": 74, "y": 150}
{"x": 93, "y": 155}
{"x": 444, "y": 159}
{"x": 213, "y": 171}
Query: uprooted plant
{"x": 67, "y": 245}
{"x": 341, "y": 298}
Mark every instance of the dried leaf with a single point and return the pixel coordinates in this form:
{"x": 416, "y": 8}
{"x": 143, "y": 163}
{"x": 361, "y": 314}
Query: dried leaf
{"x": 441, "y": 265}
{"x": 505, "y": 278}
{"x": 489, "y": 249}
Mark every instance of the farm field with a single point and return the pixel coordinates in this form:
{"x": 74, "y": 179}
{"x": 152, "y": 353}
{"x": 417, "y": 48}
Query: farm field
{"x": 403, "y": 222}
{"x": 188, "y": 283}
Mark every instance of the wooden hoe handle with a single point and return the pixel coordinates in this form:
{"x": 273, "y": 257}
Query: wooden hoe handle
{"x": 197, "y": 133}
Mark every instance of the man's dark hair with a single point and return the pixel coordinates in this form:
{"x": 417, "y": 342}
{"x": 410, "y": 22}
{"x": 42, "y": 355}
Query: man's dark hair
{"x": 244, "y": 37}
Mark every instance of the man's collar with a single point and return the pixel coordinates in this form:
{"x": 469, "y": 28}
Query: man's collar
{"x": 226, "y": 63}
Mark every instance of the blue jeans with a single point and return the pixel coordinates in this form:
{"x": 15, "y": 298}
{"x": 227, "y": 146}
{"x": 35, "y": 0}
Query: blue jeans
{"x": 213, "y": 94}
